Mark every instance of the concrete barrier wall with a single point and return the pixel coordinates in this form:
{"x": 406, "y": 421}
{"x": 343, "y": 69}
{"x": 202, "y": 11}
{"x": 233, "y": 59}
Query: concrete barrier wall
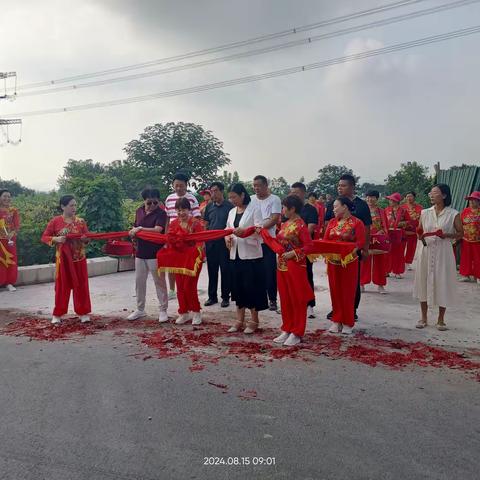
{"x": 34, "y": 274}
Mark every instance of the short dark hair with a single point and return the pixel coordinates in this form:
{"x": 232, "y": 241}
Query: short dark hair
{"x": 180, "y": 176}
{"x": 445, "y": 189}
{"x": 349, "y": 178}
{"x": 373, "y": 193}
{"x": 3, "y": 190}
{"x": 183, "y": 203}
{"x": 411, "y": 192}
{"x": 262, "y": 178}
{"x": 299, "y": 185}
{"x": 312, "y": 194}
{"x": 347, "y": 202}
{"x": 292, "y": 201}
{"x": 239, "y": 188}
{"x": 219, "y": 185}
{"x": 65, "y": 200}
{"x": 150, "y": 193}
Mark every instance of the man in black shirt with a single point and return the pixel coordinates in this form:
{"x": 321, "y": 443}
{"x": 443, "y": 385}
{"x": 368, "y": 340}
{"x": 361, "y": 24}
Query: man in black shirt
{"x": 215, "y": 216}
{"x": 346, "y": 188}
{"x": 309, "y": 215}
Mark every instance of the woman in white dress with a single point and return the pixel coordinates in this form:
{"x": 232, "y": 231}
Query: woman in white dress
{"x": 435, "y": 273}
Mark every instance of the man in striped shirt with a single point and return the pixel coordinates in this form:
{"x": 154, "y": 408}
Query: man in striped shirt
{"x": 180, "y": 182}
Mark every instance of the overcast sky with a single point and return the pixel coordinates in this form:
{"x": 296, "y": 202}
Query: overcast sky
{"x": 420, "y": 104}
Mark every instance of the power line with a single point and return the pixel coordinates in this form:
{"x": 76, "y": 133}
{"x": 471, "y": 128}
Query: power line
{"x": 255, "y": 78}
{"x": 228, "y": 46}
{"x": 305, "y": 41}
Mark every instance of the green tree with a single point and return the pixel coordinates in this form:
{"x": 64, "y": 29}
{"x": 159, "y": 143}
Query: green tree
{"x": 35, "y": 212}
{"x": 411, "y": 176}
{"x": 15, "y": 188}
{"x": 229, "y": 178}
{"x": 101, "y": 205}
{"x": 76, "y": 173}
{"x": 164, "y": 149}
{"x": 133, "y": 179}
{"x": 365, "y": 187}
{"x": 279, "y": 186}
{"x": 327, "y": 179}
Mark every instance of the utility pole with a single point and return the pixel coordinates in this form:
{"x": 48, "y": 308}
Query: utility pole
{"x": 4, "y": 76}
{"x": 13, "y": 121}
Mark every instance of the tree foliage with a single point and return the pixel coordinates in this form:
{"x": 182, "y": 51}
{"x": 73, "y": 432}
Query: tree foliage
{"x": 164, "y": 149}
{"x": 15, "y": 188}
{"x": 35, "y": 212}
{"x": 365, "y": 187}
{"x": 279, "y": 186}
{"x": 327, "y": 179}
{"x": 228, "y": 178}
{"x": 78, "y": 172}
{"x": 411, "y": 176}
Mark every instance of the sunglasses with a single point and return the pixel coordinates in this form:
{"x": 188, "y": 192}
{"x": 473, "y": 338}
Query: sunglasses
{"x": 152, "y": 202}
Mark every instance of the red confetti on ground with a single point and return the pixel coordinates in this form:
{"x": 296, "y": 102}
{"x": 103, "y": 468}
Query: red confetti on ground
{"x": 219, "y": 385}
{"x": 249, "y": 395}
{"x": 210, "y": 343}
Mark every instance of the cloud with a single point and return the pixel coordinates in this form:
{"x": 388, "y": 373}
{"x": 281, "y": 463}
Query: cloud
{"x": 370, "y": 114}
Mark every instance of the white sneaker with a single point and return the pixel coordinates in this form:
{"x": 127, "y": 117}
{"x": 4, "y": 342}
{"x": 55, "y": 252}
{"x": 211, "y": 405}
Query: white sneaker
{"x": 310, "y": 312}
{"x": 292, "y": 340}
{"x": 281, "y": 338}
{"x": 409, "y": 267}
{"x": 335, "y": 327}
{"x": 163, "y": 317}
{"x": 137, "y": 314}
{"x": 183, "y": 318}
{"x": 56, "y": 320}
{"x": 381, "y": 290}
{"x": 346, "y": 330}
{"x": 463, "y": 279}
{"x": 11, "y": 288}
{"x": 398, "y": 277}
{"x": 84, "y": 319}
{"x": 196, "y": 318}
{"x": 172, "y": 295}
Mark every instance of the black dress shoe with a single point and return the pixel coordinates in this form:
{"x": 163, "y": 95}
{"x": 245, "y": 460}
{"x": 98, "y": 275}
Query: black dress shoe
{"x": 273, "y": 306}
{"x": 355, "y": 317}
{"x": 210, "y": 302}
{"x": 330, "y": 315}
{"x": 225, "y": 303}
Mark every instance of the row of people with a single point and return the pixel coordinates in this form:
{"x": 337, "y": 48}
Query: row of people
{"x": 151, "y": 216}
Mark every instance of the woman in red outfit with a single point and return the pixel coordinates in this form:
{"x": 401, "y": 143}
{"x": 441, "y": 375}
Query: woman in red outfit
{"x": 187, "y": 292}
{"x": 374, "y": 267}
{"x": 343, "y": 280}
{"x": 71, "y": 270}
{"x": 293, "y": 287}
{"x": 9, "y": 227}
{"x": 470, "y": 258}
{"x": 412, "y": 217}
{"x": 396, "y": 222}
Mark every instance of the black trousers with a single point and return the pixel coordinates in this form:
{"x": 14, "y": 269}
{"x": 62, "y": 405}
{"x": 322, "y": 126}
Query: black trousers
{"x": 270, "y": 264}
{"x": 218, "y": 258}
{"x": 311, "y": 303}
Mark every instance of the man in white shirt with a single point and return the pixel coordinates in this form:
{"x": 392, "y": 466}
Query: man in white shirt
{"x": 271, "y": 208}
{"x": 180, "y": 183}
